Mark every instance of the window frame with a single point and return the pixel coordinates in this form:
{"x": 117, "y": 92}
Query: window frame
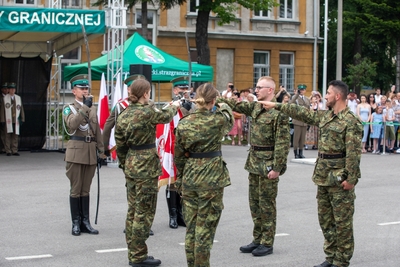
{"x": 286, "y": 9}
{"x": 150, "y": 26}
{"x": 25, "y": 3}
{"x": 190, "y": 7}
{"x": 69, "y": 6}
{"x": 284, "y": 80}
{"x": 257, "y": 67}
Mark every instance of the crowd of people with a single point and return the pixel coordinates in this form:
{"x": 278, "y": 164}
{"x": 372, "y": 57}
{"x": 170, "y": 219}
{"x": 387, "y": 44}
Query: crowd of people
{"x": 380, "y": 116}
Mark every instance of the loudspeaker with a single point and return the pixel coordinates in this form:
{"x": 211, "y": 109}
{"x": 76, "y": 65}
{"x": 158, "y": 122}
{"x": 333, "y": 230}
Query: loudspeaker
{"x": 143, "y": 69}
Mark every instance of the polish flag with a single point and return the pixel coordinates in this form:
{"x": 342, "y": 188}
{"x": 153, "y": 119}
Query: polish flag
{"x": 103, "y": 110}
{"x": 116, "y": 98}
{"x": 165, "y": 140}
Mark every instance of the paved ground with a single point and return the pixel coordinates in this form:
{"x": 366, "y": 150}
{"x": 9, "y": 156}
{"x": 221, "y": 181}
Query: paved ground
{"x": 35, "y": 220}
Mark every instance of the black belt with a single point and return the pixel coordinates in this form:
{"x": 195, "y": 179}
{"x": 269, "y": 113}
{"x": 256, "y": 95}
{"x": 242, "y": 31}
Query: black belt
{"x": 331, "y": 156}
{"x": 142, "y": 147}
{"x": 263, "y": 148}
{"x": 86, "y": 139}
{"x": 201, "y": 155}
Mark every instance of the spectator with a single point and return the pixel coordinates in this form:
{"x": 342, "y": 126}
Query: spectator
{"x": 378, "y": 95}
{"x": 376, "y": 128}
{"x": 389, "y": 131}
{"x": 396, "y": 109}
{"x": 237, "y": 125}
{"x": 373, "y": 105}
{"x": 364, "y": 113}
{"x": 312, "y": 130}
{"x": 227, "y": 93}
{"x": 352, "y": 102}
{"x": 391, "y": 92}
{"x": 279, "y": 96}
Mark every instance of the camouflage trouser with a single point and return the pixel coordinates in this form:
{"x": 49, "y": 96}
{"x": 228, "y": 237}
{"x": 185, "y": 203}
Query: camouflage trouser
{"x": 142, "y": 201}
{"x": 335, "y": 214}
{"x": 262, "y": 200}
{"x": 202, "y": 211}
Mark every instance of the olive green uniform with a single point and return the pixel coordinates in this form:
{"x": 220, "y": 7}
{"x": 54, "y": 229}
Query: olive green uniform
{"x": 300, "y": 128}
{"x": 269, "y": 129}
{"x": 135, "y": 135}
{"x": 201, "y": 180}
{"x": 339, "y": 134}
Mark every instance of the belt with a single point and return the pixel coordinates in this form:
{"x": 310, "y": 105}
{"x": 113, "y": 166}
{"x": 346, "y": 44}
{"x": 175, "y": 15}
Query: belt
{"x": 86, "y": 139}
{"x": 263, "y": 148}
{"x": 142, "y": 147}
{"x": 202, "y": 155}
{"x": 331, "y": 156}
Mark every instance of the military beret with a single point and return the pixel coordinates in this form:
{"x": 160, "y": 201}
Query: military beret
{"x": 80, "y": 81}
{"x": 128, "y": 81}
{"x": 301, "y": 87}
{"x": 11, "y": 85}
{"x": 181, "y": 82}
{"x": 4, "y": 85}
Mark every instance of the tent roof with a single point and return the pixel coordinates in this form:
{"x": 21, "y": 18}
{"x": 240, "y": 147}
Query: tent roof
{"x": 137, "y": 50}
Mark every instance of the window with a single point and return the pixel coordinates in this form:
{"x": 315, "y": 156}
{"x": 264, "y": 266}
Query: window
{"x": 286, "y": 70}
{"x": 71, "y": 3}
{"x": 71, "y": 58}
{"x": 25, "y": 2}
{"x": 261, "y": 65}
{"x": 151, "y": 17}
{"x": 261, "y": 13}
{"x": 286, "y": 9}
{"x": 192, "y": 5}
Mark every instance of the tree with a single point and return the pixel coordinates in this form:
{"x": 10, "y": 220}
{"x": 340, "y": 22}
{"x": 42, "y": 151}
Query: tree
{"x": 225, "y": 12}
{"x": 361, "y": 73}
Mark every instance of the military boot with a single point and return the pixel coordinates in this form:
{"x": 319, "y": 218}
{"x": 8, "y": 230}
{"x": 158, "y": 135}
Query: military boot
{"x": 85, "y": 224}
{"x": 301, "y": 156}
{"x": 180, "y": 218}
{"x": 296, "y": 155}
{"x": 172, "y": 208}
{"x": 76, "y": 219}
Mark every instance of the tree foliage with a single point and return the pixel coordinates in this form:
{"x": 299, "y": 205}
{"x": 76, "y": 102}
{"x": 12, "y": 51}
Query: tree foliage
{"x": 360, "y": 74}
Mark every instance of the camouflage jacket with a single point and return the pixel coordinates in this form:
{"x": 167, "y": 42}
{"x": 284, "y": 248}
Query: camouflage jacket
{"x": 340, "y": 133}
{"x": 137, "y": 126}
{"x": 267, "y": 128}
{"x": 202, "y": 131}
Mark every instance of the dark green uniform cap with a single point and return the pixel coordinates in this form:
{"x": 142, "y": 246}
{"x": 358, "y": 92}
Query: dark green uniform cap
{"x": 302, "y": 87}
{"x": 11, "y": 85}
{"x": 128, "y": 81}
{"x": 80, "y": 81}
{"x": 181, "y": 82}
{"x": 4, "y": 85}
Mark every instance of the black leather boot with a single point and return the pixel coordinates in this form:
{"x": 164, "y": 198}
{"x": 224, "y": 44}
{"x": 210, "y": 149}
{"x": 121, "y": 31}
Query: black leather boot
{"x": 180, "y": 219}
{"x": 76, "y": 219}
{"x": 172, "y": 208}
{"x": 296, "y": 155}
{"x": 85, "y": 224}
{"x": 301, "y": 156}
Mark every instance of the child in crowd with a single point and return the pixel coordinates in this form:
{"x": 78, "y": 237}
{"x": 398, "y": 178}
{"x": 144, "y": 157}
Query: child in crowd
{"x": 376, "y": 121}
{"x": 389, "y": 118}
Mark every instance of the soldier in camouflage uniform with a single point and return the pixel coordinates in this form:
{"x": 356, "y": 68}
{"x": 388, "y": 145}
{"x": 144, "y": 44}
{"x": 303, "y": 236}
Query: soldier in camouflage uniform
{"x": 135, "y": 135}
{"x": 337, "y": 169}
{"x": 202, "y": 173}
{"x": 270, "y": 141}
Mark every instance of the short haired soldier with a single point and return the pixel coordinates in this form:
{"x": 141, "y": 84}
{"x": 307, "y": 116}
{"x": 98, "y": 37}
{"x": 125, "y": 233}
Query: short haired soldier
{"x": 84, "y": 148}
{"x": 4, "y": 92}
{"x": 337, "y": 169}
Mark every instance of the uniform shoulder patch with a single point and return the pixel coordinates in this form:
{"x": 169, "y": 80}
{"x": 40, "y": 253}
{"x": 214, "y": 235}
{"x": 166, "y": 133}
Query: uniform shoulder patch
{"x": 67, "y": 110}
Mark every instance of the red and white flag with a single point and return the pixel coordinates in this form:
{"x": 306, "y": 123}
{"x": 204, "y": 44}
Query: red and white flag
{"x": 165, "y": 140}
{"x": 103, "y": 110}
{"x": 116, "y": 98}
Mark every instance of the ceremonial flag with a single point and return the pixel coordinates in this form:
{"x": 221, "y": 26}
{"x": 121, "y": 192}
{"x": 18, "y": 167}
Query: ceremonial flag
{"x": 165, "y": 140}
{"x": 116, "y": 98}
{"x": 103, "y": 110}
{"x": 124, "y": 91}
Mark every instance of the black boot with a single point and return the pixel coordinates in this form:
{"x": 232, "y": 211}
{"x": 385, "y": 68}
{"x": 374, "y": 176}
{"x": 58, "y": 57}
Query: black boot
{"x": 301, "y": 156}
{"x": 296, "y": 156}
{"x": 85, "y": 224}
{"x": 76, "y": 219}
{"x": 180, "y": 220}
{"x": 172, "y": 209}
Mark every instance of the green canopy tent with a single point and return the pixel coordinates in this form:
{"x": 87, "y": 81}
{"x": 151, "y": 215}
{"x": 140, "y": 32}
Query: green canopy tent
{"x": 138, "y": 51}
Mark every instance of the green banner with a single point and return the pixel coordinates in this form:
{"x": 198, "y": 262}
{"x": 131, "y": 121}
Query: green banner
{"x": 51, "y": 20}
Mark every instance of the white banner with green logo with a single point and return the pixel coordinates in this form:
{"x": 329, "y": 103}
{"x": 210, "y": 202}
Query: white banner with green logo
{"x": 51, "y": 20}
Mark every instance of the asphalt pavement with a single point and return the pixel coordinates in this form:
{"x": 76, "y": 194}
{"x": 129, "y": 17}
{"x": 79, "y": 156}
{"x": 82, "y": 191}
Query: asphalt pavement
{"x": 35, "y": 224}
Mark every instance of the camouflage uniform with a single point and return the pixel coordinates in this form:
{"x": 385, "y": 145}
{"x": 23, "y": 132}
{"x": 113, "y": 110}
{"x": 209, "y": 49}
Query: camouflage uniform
{"x": 268, "y": 128}
{"x": 136, "y": 126}
{"x": 202, "y": 180}
{"x": 340, "y": 133}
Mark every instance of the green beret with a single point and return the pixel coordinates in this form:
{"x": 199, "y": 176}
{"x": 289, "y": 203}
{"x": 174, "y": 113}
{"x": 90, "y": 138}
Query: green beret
{"x": 80, "y": 81}
{"x": 302, "y": 87}
{"x": 181, "y": 82}
{"x": 128, "y": 81}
